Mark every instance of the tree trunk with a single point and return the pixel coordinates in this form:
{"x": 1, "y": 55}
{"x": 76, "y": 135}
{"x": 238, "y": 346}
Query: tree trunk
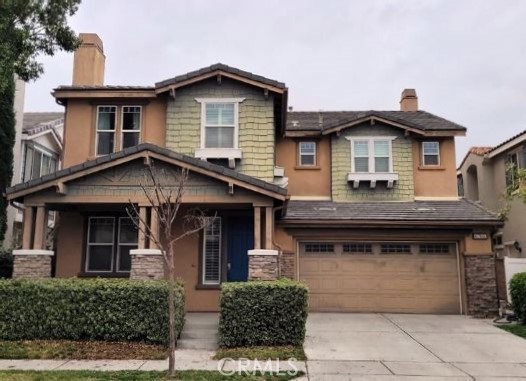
{"x": 171, "y": 314}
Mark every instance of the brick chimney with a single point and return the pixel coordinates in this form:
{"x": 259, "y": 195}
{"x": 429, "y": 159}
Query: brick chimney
{"x": 409, "y": 101}
{"x": 88, "y": 62}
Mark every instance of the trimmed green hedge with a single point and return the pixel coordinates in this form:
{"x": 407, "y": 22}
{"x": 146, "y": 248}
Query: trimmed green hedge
{"x": 6, "y": 264}
{"x": 518, "y": 295}
{"x": 95, "y": 309}
{"x": 266, "y": 313}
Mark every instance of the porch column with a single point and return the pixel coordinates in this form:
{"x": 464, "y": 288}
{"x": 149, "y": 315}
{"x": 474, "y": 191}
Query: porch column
{"x": 147, "y": 264}
{"x": 263, "y": 263}
{"x": 269, "y": 227}
{"x": 257, "y": 227}
{"x": 142, "y": 228}
{"x": 27, "y": 232}
{"x": 33, "y": 261}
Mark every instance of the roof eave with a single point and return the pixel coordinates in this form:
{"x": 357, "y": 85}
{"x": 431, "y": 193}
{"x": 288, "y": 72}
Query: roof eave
{"x": 59, "y": 93}
{"x": 386, "y": 222}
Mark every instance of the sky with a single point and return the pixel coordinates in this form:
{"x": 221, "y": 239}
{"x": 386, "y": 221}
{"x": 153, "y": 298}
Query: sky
{"x": 466, "y": 59}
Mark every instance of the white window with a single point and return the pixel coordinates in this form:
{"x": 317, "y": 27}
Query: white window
{"x": 371, "y": 154}
{"x": 131, "y": 126}
{"x": 219, "y": 122}
{"x": 307, "y": 154}
{"x": 430, "y": 153}
{"x": 37, "y": 163}
{"x": 106, "y": 122}
{"x": 212, "y": 252}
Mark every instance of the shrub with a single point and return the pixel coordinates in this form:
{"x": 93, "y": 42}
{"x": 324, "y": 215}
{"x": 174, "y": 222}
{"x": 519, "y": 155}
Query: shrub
{"x": 98, "y": 309}
{"x": 263, "y": 313}
{"x": 6, "y": 263}
{"x": 518, "y": 295}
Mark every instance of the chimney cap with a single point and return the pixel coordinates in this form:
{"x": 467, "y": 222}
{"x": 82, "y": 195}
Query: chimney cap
{"x": 409, "y": 93}
{"x": 88, "y": 39}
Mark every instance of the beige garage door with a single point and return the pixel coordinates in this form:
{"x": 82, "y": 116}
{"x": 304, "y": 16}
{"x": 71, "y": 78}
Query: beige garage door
{"x": 381, "y": 277}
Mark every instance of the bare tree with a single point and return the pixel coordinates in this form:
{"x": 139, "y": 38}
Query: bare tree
{"x": 164, "y": 192}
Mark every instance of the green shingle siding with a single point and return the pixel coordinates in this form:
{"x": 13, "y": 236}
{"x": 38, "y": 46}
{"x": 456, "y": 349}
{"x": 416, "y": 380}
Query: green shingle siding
{"x": 256, "y": 124}
{"x": 402, "y": 164}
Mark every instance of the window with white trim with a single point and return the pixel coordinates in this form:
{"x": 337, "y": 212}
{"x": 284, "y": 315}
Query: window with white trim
{"x": 106, "y": 123}
{"x": 37, "y": 163}
{"x": 220, "y": 125}
{"x": 109, "y": 241}
{"x": 130, "y": 126}
{"x": 307, "y": 154}
{"x": 212, "y": 252}
{"x": 372, "y": 155}
{"x": 430, "y": 153}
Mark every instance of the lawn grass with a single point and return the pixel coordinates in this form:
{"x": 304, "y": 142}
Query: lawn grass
{"x": 261, "y": 353}
{"x": 190, "y": 375}
{"x": 516, "y": 329}
{"x": 80, "y": 350}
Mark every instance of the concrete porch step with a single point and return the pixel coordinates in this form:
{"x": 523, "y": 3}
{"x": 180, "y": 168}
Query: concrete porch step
{"x": 201, "y": 344}
{"x": 199, "y": 333}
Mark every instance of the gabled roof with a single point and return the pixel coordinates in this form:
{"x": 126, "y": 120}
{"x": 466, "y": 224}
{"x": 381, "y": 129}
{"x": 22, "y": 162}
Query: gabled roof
{"x": 461, "y": 212}
{"x": 479, "y": 151}
{"x": 325, "y": 122}
{"x": 35, "y": 122}
{"x": 193, "y": 164}
{"x": 507, "y": 144}
{"x": 219, "y": 68}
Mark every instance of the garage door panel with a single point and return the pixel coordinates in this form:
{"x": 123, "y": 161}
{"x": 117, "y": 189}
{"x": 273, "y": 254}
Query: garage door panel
{"x": 381, "y": 283}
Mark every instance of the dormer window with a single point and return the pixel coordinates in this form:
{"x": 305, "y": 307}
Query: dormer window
{"x": 372, "y": 161}
{"x": 219, "y": 129}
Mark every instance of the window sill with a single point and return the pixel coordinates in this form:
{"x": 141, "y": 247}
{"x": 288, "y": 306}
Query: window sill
{"x": 307, "y": 167}
{"x": 208, "y": 287}
{"x": 431, "y": 168}
{"x": 102, "y": 275}
{"x": 231, "y": 154}
{"x": 372, "y": 178}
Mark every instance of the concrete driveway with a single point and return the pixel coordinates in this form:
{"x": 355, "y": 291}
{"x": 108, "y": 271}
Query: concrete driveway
{"x": 411, "y": 347}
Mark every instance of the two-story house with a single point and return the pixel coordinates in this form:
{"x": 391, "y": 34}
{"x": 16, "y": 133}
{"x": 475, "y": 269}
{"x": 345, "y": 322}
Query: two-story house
{"x": 360, "y": 205}
{"x": 487, "y": 175}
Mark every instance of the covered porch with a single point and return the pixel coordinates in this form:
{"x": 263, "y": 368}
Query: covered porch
{"x": 95, "y": 237}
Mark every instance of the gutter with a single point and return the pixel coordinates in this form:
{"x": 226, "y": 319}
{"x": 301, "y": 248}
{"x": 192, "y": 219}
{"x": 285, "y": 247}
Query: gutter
{"x": 389, "y": 223}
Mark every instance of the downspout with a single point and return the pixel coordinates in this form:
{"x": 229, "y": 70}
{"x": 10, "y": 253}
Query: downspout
{"x": 17, "y": 206}
{"x": 461, "y": 301}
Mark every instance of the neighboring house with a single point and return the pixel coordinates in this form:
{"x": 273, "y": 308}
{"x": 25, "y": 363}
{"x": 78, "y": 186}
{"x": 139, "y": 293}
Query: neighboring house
{"x": 370, "y": 217}
{"x": 486, "y": 176}
{"x": 20, "y": 87}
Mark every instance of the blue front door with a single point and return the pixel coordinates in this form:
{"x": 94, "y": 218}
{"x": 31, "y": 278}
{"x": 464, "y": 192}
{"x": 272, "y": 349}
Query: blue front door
{"x": 240, "y": 240}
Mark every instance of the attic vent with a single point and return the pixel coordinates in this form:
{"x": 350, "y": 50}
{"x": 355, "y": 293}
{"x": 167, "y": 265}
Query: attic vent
{"x": 295, "y": 123}
{"x": 424, "y": 209}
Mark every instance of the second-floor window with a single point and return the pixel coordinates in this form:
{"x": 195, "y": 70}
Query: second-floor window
{"x": 220, "y": 125}
{"x": 131, "y": 126}
{"x": 430, "y": 153}
{"x": 128, "y": 130}
{"x": 371, "y": 155}
{"x": 307, "y": 154}
{"x": 106, "y": 123}
{"x": 37, "y": 163}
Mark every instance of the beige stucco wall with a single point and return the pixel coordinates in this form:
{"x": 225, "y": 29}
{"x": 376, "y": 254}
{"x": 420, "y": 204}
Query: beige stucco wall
{"x": 70, "y": 244}
{"x": 80, "y": 129}
{"x": 402, "y": 164}
{"x": 439, "y": 181}
{"x": 256, "y": 123}
{"x": 306, "y": 181}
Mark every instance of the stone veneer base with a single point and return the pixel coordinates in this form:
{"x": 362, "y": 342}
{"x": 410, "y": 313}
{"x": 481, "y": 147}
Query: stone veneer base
{"x": 146, "y": 264}
{"x": 32, "y": 263}
{"x": 263, "y": 264}
{"x": 481, "y": 285}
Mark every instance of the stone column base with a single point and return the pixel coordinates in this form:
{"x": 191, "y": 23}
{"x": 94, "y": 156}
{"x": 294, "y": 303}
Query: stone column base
{"x": 481, "y": 285}
{"x": 146, "y": 264}
{"x": 32, "y": 263}
{"x": 263, "y": 264}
